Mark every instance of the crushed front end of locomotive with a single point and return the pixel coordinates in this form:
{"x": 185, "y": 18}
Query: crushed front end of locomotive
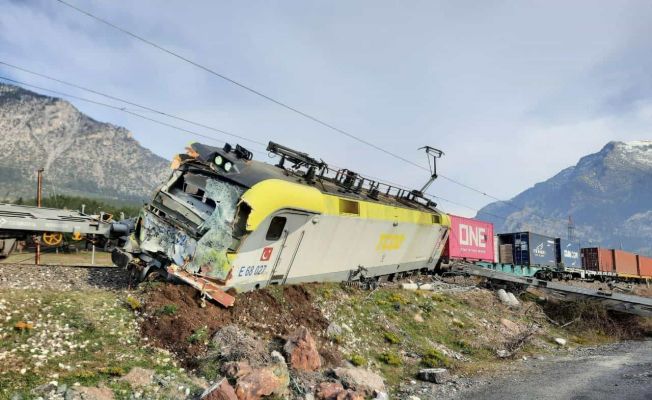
{"x": 191, "y": 224}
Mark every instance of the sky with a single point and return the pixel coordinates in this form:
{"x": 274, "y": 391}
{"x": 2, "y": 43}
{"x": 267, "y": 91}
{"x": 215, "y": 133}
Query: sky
{"x": 511, "y": 91}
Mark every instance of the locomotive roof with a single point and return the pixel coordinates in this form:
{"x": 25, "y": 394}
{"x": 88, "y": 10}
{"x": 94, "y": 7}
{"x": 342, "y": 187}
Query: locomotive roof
{"x": 248, "y": 172}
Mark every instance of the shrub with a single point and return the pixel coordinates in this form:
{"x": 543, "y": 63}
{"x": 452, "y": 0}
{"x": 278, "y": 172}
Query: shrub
{"x": 390, "y": 358}
{"x": 168, "y": 309}
{"x": 199, "y": 335}
{"x": 358, "y": 360}
{"x": 433, "y": 358}
{"x": 392, "y": 338}
{"x": 133, "y": 303}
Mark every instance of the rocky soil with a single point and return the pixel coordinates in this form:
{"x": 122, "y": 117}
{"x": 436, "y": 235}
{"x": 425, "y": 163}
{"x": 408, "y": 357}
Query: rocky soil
{"x": 72, "y": 333}
{"x": 21, "y": 276}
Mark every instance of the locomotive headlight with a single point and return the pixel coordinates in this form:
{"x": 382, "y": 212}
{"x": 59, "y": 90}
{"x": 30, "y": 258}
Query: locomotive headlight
{"x": 227, "y": 166}
{"x": 219, "y": 160}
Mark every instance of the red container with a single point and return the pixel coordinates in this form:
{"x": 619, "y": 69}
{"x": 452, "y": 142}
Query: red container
{"x": 598, "y": 259}
{"x": 470, "y": 239}
{"x": 626, "y": 262}
{"x": 645, "y": 266}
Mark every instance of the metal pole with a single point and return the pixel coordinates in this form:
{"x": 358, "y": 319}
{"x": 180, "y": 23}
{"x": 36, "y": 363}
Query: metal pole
{"x": 93, "y": 255}
{"x": 39, "y": 188}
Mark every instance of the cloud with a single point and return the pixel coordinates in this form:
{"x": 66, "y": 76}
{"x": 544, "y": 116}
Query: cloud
{"x": 513, "y": 92}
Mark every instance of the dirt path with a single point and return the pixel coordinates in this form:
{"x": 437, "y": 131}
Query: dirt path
{"x": 616, "y": 371}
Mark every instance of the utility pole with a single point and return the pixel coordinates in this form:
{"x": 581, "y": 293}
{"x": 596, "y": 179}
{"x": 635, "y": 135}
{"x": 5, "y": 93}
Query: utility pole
{"x": 571, "y": 229}
{"x": 39, "y": 190}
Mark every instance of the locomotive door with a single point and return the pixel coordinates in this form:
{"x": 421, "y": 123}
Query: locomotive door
{"x": 284, "y": 237}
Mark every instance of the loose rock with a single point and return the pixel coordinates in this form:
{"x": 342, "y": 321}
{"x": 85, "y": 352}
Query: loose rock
{"x": 434, "y": 375}
{"x": 301, "y": 350}
{"x": 560, "y": 341}
{"x": 139, "y": 377}
{"x": 361, "y": 379}
{"x": 221, "y": 390}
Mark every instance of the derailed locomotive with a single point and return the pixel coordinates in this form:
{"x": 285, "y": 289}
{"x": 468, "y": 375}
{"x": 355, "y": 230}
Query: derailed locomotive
{"x": 225, "y": 221}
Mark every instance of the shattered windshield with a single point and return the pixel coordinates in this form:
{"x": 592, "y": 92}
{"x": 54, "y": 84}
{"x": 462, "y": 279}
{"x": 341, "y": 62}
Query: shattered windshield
{"x": 189, "y": 197}
{"x": 210, "y": 255}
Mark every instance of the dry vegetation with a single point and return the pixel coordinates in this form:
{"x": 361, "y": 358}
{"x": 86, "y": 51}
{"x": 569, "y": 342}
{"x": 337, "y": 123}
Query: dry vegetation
{"x": 92, "y": 337}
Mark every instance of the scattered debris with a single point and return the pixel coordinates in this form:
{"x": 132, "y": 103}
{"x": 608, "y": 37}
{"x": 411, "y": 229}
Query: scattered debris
{"x": 560, "y": 341}
{"x": 235, "y": 344}
{"x": 434, "y": 375}
{"x": 23, "y": 326}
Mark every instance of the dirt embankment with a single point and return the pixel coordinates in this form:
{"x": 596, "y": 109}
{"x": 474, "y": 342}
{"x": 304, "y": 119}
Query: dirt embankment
{"x": 175, "y": 319}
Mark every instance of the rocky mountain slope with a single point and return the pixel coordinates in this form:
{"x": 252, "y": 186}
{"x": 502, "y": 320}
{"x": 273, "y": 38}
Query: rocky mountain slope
{"x": 608, "y": 194}
{"x": 80, "y": 156}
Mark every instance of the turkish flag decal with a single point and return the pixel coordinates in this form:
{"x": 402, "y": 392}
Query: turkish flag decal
{"x": 267, "y": 254}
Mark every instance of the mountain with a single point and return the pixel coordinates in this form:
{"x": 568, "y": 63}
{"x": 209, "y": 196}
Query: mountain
{"x": 81, "y": 156}
{"x": 608, "y": 194}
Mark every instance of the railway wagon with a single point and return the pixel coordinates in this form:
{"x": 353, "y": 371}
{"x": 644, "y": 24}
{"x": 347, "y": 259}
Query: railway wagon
{"x": 644, "y": 266}
{"x": 598, "y": 259}
{"x": 226, "y": 220}
{"x": 626, "y": 264}
{"x": 527, "y": 248}
{"x": 470, "y": 240}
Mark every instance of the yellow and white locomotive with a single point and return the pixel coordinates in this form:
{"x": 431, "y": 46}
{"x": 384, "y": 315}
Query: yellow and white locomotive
{"x": 224, "y": 220}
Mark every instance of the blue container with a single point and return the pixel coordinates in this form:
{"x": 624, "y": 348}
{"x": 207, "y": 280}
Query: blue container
{"x": 568, "y": 253}
{"x": 531, "y": 248}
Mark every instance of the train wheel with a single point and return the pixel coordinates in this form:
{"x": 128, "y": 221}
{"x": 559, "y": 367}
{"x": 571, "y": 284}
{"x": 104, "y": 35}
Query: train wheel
{"x": 53, "y": 238}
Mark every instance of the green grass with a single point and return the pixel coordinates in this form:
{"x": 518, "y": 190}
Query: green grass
{"x": 168, "y": 309}
{"x": 385, "y": 335}
{"x": 198, "y": 336}
{"x": 90, "y": 337}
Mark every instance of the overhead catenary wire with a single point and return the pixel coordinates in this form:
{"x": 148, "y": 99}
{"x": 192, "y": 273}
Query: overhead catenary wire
{"x": 432, "y": 196}
{"x": 274, "y": 100}
{"x": 122, "y": 109}
{"x": 130, "y": 102}
{"x": 148, "y": 108}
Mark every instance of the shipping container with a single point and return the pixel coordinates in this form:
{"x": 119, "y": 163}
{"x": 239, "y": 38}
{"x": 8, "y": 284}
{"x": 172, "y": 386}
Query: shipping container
{"x": 625, "y": 262}
{"x": 645, "y": 266}
{"x": 470, "y": 239}
{"x": 598, "y": 259}
{"x": 568, "y": 253}
{"x": 530, "y": 248}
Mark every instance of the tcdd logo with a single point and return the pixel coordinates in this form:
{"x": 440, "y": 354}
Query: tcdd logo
{"x": 267, "y": 254}
{"x": 472, "y": 236}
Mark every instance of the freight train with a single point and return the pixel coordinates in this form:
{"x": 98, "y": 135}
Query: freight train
{"x": 532, "y": 254}
{"x": 224, "y": 221}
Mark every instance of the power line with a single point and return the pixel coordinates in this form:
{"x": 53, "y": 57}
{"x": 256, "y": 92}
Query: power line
{"x": 432, "y": 196}
{"x": 275, "y": 101}
{"x": 112, "y": 97}
{"x": 113, "y": 107}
